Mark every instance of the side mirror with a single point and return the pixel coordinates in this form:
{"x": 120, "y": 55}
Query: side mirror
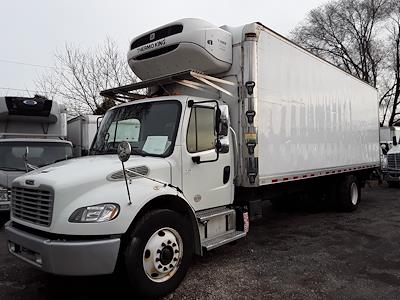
{"x": 223, "y": 127}
{"x": 223, "y": 120}
{"x": 124, "y": 151}
{"x": 218, "y": 121}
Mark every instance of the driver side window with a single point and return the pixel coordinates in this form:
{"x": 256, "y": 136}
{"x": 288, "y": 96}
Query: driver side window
{"x": 201, "y": 130}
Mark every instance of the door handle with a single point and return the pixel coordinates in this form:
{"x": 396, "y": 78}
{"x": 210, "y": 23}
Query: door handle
{"x": 227, "y": 174}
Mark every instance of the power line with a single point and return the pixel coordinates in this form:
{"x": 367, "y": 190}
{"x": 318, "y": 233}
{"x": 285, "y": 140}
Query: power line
{"x": 26, "y": 64}
{"x": 26, "y": 90}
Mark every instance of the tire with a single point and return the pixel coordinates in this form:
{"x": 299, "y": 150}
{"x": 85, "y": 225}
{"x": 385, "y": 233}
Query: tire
{"x": 349, "y": 193}
{"x": 158, "y": 253}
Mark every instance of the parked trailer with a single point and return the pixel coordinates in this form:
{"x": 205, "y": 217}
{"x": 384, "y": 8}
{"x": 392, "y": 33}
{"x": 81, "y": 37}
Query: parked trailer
{"x": 81, "y": 132}
{"x": 233, "y": 116}
{"x": 32, "y": 134}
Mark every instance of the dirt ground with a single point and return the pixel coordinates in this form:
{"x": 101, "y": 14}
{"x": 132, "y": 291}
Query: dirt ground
{"x": 299, "y": 253}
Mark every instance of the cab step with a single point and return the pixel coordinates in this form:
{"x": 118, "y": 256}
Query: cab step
{"x": 217, "y": 227}
{"x": 223, "y": 239}
{"x": 208, "y": 214}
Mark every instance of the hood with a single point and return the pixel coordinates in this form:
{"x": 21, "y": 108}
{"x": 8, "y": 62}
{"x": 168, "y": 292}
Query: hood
{"x": 90, "y": 171}
{"x": 7, "y": 177}
{"x": 394, "y": 150}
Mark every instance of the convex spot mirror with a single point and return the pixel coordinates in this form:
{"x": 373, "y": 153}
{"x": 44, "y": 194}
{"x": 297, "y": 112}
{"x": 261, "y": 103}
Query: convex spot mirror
{"x": 124, "y": 151}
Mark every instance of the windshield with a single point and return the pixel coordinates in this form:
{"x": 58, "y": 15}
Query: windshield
{"x": 39, "y": 154}
{"x": 149, "y": 127}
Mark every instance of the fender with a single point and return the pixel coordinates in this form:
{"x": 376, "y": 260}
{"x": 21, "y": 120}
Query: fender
{"x": 176, "y": 202}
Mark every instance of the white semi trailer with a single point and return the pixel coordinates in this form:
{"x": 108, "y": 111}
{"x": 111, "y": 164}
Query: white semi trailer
{"x": 32, "y": 134}
{"x": 233, "y": 115}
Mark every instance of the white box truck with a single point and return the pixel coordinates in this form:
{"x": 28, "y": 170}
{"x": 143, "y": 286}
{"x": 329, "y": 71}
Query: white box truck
{"x": 233, "y": 116}
{"x": 32, "y": 134}
{"x": 81, "y": 132}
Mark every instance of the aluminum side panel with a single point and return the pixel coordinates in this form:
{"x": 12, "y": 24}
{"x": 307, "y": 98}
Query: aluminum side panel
{"x": 310, "y": 114}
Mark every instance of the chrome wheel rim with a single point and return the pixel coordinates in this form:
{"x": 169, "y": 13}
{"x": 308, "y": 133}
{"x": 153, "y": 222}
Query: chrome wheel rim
{"x": 162, "y": 254}
{"x": 354, "y": 193}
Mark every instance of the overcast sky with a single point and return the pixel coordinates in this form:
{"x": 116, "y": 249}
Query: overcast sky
{"x": 32, "y": 30}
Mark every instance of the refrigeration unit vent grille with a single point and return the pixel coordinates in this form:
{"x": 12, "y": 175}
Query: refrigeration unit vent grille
{"x": 157, "y": 35}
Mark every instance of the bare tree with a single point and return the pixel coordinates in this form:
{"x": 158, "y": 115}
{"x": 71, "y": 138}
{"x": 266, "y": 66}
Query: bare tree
{"x": 361, "y": 37}
{"x": 80, "y": 75}
{"x": 345, "y": 33}
{"x": 393, "y": 88}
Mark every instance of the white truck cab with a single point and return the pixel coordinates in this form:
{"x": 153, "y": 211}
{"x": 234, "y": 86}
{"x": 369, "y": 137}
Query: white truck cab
{"x": 181, "y": 169}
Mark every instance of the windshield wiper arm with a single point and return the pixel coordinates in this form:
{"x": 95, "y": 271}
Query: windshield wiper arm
{"x": 11, "y": 169}
{"x": 60, "y": 159}
{"x": 32, "y": 167}
{"x": 53, "y": 162}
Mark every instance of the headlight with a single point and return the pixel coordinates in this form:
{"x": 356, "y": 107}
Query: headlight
{"x": 95, "y": 214}
{"x": 3, "y": 194}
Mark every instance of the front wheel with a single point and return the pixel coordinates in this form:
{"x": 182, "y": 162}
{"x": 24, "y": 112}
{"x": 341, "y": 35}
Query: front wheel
{"x": 159, "y": 253}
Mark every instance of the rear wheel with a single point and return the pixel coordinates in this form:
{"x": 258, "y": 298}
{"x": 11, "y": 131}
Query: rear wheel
{"x": 159, "y": 253}
{"x": 349, "y": 193}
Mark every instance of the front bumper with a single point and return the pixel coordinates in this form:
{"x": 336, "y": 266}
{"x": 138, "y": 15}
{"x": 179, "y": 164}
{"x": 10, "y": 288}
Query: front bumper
{"x": 78, "y": 258}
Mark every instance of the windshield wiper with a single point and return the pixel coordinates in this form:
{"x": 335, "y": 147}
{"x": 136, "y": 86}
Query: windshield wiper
{"x": 11, "y": 169}
{"x": 61, "y": 159}
{"x": 53, "y": 162}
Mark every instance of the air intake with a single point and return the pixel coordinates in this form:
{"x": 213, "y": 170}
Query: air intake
{"x": 117, "y": 176}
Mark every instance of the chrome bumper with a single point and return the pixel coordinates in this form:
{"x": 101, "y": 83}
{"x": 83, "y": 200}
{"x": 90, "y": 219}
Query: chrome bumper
{"x": 78, "y": 258}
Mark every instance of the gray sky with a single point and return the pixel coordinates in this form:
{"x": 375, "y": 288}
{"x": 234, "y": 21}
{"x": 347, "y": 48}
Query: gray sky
{"x": 31, "y": 31}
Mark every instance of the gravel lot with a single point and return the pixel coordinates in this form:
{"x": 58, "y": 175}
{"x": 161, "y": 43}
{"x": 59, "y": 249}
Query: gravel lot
{"x": 301, "y": 253}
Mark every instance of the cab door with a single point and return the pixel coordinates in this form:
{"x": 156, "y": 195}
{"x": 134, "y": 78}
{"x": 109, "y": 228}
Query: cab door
{"x": 207, "y": 175}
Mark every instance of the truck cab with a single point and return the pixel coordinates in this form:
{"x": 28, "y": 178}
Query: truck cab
{"x": 32, "y": 135}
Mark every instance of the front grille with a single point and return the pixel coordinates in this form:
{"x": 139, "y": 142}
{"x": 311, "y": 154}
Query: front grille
{"x": 393, "y": 161}
{"x": 32, "y": 205}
